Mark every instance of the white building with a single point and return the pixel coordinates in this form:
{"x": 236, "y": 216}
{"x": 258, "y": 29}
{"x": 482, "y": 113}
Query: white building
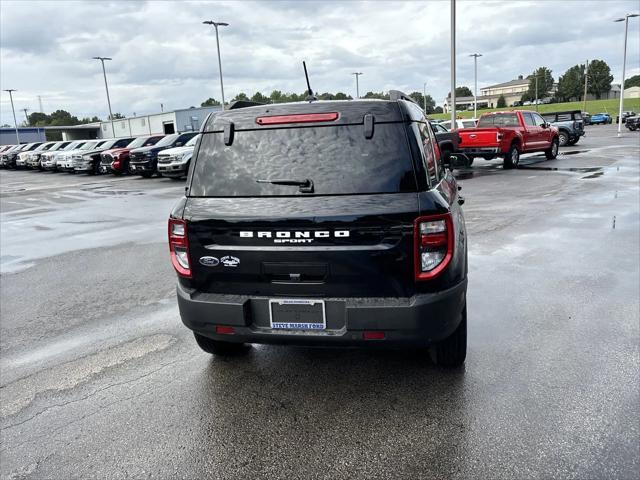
{"x": 177, "y": 121}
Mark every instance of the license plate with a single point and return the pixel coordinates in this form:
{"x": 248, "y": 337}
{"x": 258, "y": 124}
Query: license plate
{"x": 296, "y": 314}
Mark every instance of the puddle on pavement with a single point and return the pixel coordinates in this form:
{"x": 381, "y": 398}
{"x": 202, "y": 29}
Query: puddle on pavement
{"x": 593, "y": 175}
{"x": 102, "y": 189}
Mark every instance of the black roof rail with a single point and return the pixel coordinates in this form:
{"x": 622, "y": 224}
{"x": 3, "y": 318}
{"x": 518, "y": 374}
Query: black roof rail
{"x": 395, "y": 95}
{"x": 244, "y": 104}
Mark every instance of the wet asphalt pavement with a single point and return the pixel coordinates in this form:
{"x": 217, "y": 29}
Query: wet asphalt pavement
{"x": 99, "y": 379}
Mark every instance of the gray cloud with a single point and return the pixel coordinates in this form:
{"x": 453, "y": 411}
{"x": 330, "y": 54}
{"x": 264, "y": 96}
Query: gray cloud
{"x": 163, "y": 54}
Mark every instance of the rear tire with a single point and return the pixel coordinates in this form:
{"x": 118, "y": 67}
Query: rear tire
{"x": 512, "y": 157}
{"x": 452, "y": 351}
{"x": 552, "y": 152}
{"x": 563, "y": 139}
{"x": 146, "y": 174}
{"x": 224, "y": 349}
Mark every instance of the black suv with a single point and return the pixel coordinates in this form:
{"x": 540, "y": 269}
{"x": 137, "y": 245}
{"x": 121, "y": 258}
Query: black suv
{"x": 322, "y": 223}
{"x": 144, "y": 160}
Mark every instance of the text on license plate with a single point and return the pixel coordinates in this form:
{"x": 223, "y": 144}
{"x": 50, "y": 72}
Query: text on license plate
{"x": 297, "y": 314}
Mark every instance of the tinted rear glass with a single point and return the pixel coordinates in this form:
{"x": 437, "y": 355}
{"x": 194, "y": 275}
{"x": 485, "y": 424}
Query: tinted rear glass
{"x": 499, "y": 120}
{"x": 338, "y": 160}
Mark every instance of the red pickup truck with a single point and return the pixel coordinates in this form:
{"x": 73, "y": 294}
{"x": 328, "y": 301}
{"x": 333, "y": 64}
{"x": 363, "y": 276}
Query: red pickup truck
{"x": 509, "y": 134}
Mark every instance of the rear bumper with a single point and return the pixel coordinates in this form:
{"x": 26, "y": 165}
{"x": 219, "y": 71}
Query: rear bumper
{"x": 419, "y": 320}
{"x": 480, "y": 150}
{"x": 172, "y": 169}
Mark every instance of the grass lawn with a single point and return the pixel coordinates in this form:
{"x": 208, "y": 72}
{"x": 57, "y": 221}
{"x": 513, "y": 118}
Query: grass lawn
{"x": 593, "y": 106}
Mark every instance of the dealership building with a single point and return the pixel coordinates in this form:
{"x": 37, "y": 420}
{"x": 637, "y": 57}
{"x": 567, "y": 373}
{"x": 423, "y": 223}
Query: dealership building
{"x": 176, "y": 121}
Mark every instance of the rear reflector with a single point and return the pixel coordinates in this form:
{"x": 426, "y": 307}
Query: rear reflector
{"x": 225, "y": 330}
{"x": 298, "y": 118}
{"x": 373, "y": 335}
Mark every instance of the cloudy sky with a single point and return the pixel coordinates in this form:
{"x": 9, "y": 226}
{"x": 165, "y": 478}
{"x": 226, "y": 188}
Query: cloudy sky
{"x": 163, "y": 54}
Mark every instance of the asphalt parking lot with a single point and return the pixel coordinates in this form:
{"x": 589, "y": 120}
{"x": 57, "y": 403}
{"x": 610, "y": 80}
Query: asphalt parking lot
{"x": 99, "y": 379}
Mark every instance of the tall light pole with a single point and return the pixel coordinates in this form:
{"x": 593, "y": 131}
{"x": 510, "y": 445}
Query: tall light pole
{"x": 424, "y": 96}
{"x": 15, "y": 122}
{"x": 586, "y": 84}
{"x": 536, "y": 90}
{"x": 104, "y": 72}
{"x": 26, "y": 115}
{"x": 216, "y": 25}
{"x": 453, "y": 65}
{"x": 475, "y": 76}
{"x": 624, "y": 66}
{"x": 357, "y": 74}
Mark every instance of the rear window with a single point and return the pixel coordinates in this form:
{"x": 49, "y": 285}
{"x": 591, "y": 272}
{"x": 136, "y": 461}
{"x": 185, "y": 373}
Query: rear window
{"x": 499, "y": 120}
{"x": 337, "y": 159}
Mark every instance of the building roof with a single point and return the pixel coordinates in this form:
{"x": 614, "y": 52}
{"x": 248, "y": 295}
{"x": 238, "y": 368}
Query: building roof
{"x": 84, "y": 126}
{"x": 510, "y": 83}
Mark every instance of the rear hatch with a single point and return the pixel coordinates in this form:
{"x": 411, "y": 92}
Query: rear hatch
{"x": 296, "y": 209}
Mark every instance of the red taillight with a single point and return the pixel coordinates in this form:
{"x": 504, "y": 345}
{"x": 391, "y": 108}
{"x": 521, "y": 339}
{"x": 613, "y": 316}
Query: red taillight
{"x": 373, "y": 335}
{"x": 433, "y": 243}
{"x": 179, "y": 247}
{"x": 298, "y": 118}
{"x": 225, "y": 330}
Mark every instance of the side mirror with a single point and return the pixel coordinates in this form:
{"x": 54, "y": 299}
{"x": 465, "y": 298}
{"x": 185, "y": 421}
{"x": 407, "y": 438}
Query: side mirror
{"x": 546, "y": 125}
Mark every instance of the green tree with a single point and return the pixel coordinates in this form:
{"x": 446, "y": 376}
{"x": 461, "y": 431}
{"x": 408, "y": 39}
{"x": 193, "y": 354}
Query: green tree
{"x": 260, "y": 98}
{"x": 632, "y": 82}
{"x": 342, "y": 96}
{"x": 438, "y": 110}
{"x": 240, "y": 96}
{"x": 38, "y": 119}
{"x": 571, "y": 84}
{"x": 117, "y": 116}
{"x": 420, "y": 100}
{"x": 600, "y": 78}
{"x": 462, "y": 92}
{"x": 545, "y": 83}
{"x": 502, "y": 102}
{"x": 276, "y": 96}
{"x": 210, "y": 102}
{"x": 380, "y": 96}
{"x": 62, "y": 117}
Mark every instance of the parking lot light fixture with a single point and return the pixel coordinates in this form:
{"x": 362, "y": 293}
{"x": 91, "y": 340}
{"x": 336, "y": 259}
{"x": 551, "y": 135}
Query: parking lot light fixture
{"x": 424, "y": 96}
{"x": 15, "y": 122}
{"x": 216, "y": 25}
{"x": 475, "y": 76}
{"x": 104, "y": 72}
{"x": 453, "y": 65}
{"x": 357, "y": 74}
{"x": 624, "y": 66}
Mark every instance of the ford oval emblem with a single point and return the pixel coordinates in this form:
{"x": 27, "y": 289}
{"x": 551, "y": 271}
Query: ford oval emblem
{"x": 209, "y": 261}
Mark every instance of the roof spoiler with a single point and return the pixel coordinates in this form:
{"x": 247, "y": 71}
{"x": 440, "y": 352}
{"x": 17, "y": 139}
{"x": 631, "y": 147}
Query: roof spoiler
{"x": 395, "y": 95}
{"x": 244, "y": 104}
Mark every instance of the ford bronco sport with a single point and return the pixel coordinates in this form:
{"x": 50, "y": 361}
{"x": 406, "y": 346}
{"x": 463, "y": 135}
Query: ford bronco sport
{"x": 321, "y": 223}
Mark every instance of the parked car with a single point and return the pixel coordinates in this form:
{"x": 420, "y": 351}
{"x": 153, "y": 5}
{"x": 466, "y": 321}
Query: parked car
{"x": 144, "y": 161}
{"x": 322, "y": 223}
{"x": 6, "y": 155}
{"x": 15, "y": 160}
{"x": 89, "y": 161}
{"x": 49, "y": 160}
{"x": 5, "y": 148}
{"x": 570, "y": 126}
{"x": 34, "y": 159}
{"x": 24, "y": 158}
{"x": 633, "y": 123}
{"x": 447, "y": 141}
{"x": 116, "y": 160}
{"x": 509, "y": 134}
{"x": 174, "y": 162}
{"x": 64, "y": 162}
{"x": 460, "y": 124}
{"x": 601, "y": 119}
{"x": 625, "y": 115}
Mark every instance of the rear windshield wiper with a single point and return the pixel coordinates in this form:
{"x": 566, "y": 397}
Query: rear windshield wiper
{"x": 306, "y": 185}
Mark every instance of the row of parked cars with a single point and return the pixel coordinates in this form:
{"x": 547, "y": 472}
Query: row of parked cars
{"x": 165, "y": 155}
